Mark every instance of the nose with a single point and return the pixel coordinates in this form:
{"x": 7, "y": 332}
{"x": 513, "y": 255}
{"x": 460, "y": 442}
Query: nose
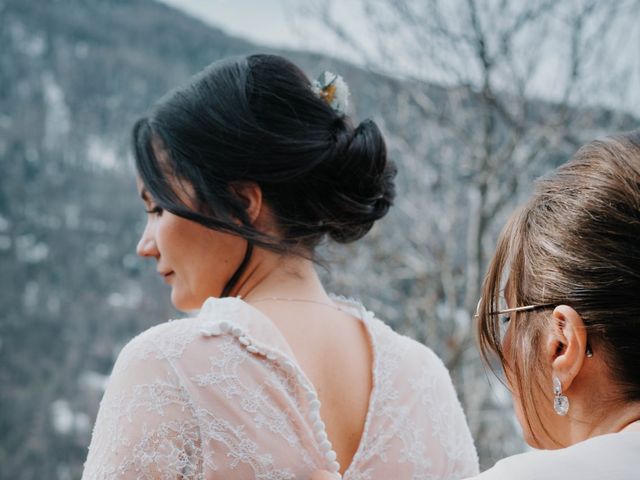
{"x": 147, "y": 245}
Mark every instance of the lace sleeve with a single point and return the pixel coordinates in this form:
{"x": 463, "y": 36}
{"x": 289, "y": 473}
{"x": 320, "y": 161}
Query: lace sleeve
{"x": 450, "y": 433}
{"x": 146, "y": 427}
{"x": 452, "y": 426}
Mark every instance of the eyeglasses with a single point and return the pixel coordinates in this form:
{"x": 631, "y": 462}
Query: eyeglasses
{"x": 526, "y": 308}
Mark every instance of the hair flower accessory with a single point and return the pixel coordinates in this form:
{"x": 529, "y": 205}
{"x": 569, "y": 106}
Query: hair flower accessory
{"x": 332, "y": 89}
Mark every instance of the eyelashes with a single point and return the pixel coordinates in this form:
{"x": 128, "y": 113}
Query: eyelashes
{"x": 154, "y": 211}
{"x": 503, "y": 326}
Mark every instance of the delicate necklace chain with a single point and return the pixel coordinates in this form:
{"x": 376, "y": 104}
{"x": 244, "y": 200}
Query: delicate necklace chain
{"x": 288, "y": 299}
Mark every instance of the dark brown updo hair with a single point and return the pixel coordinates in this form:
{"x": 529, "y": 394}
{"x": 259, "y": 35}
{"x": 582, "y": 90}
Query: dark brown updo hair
{"x": 577, "y": 243}
{"x": 256, "y": 119}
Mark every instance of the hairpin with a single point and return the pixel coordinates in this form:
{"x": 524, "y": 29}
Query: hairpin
{"x": 332, "y": 89}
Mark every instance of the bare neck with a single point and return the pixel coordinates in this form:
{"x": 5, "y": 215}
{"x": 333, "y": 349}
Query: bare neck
{"x": 625, "y": 419}
{"x": 593, "y": 415}
{"x": 273, "y": 275}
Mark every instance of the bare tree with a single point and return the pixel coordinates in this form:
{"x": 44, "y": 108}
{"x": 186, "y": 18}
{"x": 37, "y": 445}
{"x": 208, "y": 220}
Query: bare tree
{"x": 517, "y": 80}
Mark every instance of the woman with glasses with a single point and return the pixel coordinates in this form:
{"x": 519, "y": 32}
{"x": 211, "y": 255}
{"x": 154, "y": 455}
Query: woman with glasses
{"x": 569, "y": 339}
{"x": 565, "y": 325}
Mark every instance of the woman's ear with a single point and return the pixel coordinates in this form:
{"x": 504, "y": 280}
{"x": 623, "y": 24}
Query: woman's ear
{"x": 250, "y": 194}
{"x": 566, "y": 344}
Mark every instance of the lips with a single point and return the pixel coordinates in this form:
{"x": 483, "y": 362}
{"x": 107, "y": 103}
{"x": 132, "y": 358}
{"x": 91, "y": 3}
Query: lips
{"x": 166, "y": 275}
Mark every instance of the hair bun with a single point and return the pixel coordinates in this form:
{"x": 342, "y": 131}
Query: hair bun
{"x": 365, "y": 184}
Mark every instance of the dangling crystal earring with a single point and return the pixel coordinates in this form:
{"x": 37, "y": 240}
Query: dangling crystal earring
{"x": 560, "y": 402}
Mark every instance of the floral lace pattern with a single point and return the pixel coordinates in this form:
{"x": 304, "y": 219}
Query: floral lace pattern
{"x": 412, "y": 399}
{"x": 220, "y": 396}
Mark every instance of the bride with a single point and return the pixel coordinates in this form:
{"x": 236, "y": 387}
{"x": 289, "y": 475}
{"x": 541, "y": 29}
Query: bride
{"x": 243, "y": 171}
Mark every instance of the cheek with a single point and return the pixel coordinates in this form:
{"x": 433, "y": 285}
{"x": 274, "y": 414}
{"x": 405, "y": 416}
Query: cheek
{"x": 165, "y": 230}
{"x": 536, "y": 413}
{"x": 221, "y": 254}
{"x": 507, "y": 339}
{"x": 527, "y": 433}
{"x": 208, "y": 260}
{"x": 512, "y": 384}
{"x": 507, "y": 351}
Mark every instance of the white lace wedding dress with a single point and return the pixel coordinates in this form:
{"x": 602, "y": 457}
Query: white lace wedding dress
{"x": 220, "y": 396}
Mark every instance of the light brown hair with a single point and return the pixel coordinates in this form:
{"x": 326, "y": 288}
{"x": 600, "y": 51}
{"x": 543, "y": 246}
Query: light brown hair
{"x": 576, "y": 242}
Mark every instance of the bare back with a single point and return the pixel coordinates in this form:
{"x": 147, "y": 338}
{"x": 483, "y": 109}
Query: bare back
{"x": 334, "y": 350}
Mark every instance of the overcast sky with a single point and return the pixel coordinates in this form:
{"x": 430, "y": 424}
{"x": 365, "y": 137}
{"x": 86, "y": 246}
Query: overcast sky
{"x": 277, "y": 23}
{"x": 268, "y": 22}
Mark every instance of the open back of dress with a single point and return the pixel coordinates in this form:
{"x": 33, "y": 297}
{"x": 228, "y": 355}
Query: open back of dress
{"x": 220, "y": 396}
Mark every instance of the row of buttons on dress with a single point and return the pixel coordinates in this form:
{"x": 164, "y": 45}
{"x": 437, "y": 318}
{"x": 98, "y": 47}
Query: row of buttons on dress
{"x": 222, "y": 328}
